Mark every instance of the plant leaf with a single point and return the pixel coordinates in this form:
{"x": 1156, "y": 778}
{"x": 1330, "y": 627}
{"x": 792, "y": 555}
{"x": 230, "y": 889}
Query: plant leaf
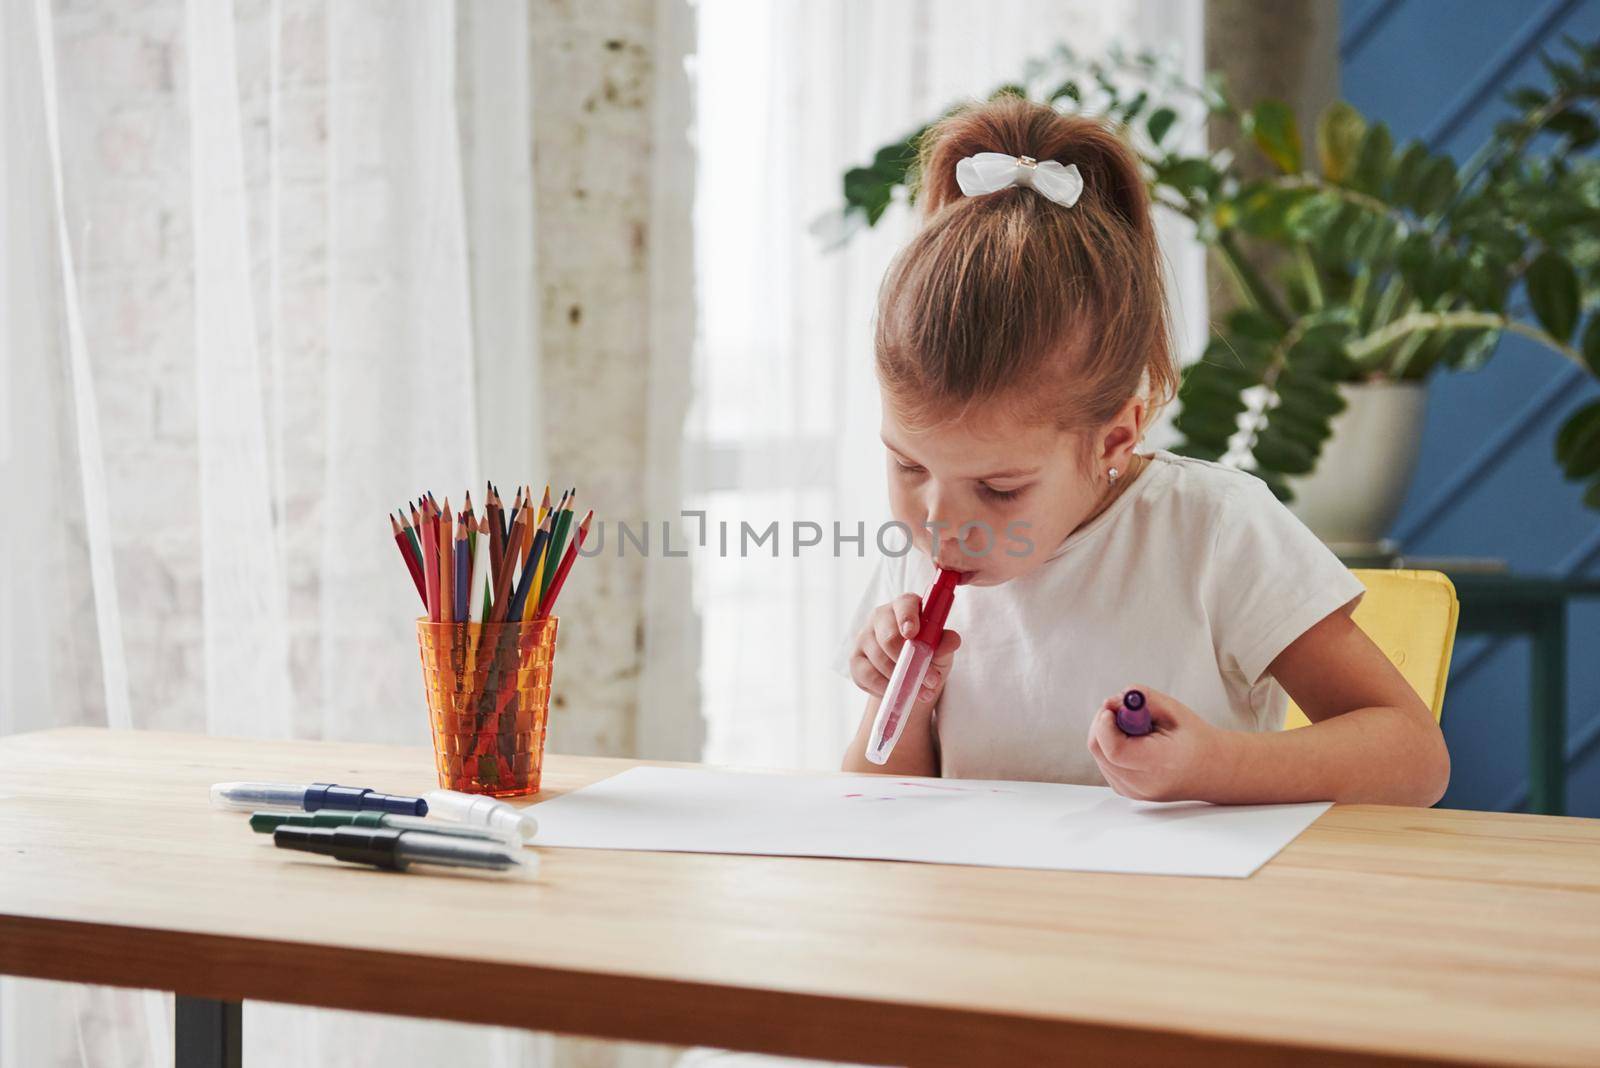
{"x": 1066, "y": 91}
{"x": 1414, "y": 257}
{"x": 1527, "y": 98}
{"x": 1373, "y": 161}
{"x": 866, "y": 189}
{"x": 1276, "y": 451}
{"x": 1252, "y": 324}
{"x": 1263, "y": 210}
{"x": 1159, "y": 122}
{"x": 1185, "y": 176}
{"x": 1591, "y": 344}
{"x": 1468, "y": 350}
{"x": 1310, "y": 399}
{"x": 1483, "y": 279}
{"x": 1409, "y": 173}
{"x": 1271, "y": 125}
{"x": 1553, "y": 292}
{"x": 1211, "y": 398}
{"x": 1340, "y": 128}
{"x": 1579, "y": 128}
{"x": 1578, "y": 442}
{"x": 1311, "y": 218}
{"x": 1437, "y": 187}
{"x": 1344, "y": 231}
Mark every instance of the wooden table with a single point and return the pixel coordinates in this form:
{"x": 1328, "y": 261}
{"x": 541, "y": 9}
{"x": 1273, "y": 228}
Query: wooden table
{"x": 1382, "y": 935}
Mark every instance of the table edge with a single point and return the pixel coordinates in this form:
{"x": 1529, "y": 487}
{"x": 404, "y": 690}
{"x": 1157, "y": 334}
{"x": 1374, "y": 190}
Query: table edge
{"x": 614, "y": 1006}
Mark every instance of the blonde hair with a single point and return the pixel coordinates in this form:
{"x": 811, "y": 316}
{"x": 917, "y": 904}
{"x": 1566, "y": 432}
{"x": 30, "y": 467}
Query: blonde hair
{"x": 1061, "y": 310}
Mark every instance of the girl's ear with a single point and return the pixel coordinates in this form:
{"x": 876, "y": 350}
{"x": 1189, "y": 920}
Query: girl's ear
{"x": 1121, "y": 435}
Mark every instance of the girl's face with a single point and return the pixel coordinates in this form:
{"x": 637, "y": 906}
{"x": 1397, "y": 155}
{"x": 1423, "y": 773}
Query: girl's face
{"x": 998, "y": 496}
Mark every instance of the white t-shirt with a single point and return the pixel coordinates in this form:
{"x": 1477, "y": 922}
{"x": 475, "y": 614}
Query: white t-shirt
{"x": 1191, "y": 582}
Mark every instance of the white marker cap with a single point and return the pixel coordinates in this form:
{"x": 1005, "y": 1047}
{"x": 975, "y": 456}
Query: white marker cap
{"x": 482, "y": 811}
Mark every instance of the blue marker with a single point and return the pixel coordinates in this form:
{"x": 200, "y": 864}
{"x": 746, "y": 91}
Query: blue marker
{"x": 1133, "y": 718}
{"x": 250, "y": 796}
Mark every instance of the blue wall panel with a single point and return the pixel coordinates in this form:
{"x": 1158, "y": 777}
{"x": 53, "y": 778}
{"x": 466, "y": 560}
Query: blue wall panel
{"x": 1487, "y": 483}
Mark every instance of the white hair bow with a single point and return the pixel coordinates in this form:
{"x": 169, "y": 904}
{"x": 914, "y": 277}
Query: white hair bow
{"x": 990, "y": 172}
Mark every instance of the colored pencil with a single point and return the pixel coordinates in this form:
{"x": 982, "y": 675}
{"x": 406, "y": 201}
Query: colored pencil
{"x": 447, "y": 577}
{"x": 488, "y": 505}
{"x": 412, "y": 565}
{"x": 430, "y": 510}
{"x": 558, "y": 541}
{"x": 549, "y": 600}
{"x": 505, "y": 516}
{"x": 542, "y": 567}
{"x": 411, "y": 534}
{"x": 463, "y": 576}
{"x": 538, "y": 518}
{"x": 430, "y": 566}
{"x": 516, "y": 510}
{"x": 477, "y": 594}
{"x": 398, "y": 522}
{"x": 519, "y": 599}
{"x": 497, "y": 538}
{"x": 502, "y": 585}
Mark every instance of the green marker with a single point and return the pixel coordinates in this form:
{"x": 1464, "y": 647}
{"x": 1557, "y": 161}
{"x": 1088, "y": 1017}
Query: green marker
{"x": 267, "y": 822}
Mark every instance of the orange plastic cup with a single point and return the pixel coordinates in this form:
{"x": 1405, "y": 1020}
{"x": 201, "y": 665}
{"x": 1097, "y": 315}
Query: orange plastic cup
{"x": 488, "y": 687}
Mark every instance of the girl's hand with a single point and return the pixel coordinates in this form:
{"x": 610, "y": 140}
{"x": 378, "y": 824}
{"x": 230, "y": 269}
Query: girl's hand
{"x": 878, "y": 646}
{"x": 1181, "y": 759}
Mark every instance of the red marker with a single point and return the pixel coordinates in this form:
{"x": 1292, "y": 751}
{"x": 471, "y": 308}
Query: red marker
{"x": 1133, "y": 718}
{"x": 911, "y": 668}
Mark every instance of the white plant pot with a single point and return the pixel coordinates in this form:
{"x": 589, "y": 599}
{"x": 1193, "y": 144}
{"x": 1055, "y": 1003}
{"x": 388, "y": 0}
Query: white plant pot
{"x": 1355, "y": 493}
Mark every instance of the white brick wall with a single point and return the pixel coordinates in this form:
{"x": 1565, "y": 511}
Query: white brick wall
{"x": 592, "y": 120}
{"x": 123, "y": 72}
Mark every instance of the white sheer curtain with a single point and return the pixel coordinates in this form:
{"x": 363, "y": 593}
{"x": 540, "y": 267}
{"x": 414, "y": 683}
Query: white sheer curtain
{"x": 241, "y": 246}
{"x": 791, "y": 93}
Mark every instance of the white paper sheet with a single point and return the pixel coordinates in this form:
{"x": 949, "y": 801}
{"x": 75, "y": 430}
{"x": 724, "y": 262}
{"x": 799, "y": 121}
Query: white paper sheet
{"x": 936, "y": 821}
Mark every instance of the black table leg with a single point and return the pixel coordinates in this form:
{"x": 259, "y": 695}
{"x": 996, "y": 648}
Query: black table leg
{"x": 208, "y": 1033}
{"x": 1548, "y": 740}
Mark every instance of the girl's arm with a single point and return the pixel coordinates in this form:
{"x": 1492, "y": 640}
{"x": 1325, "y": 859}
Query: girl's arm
{"x": 1371, "y": 739}
{"x": 916, "y": 753}
{"x": 872, "y": 663}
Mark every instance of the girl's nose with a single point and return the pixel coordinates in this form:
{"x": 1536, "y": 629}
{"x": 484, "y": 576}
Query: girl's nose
{"x": 952, "y": 546}
{"x": 943, "y": 529}
{"x": 961, "y": 553}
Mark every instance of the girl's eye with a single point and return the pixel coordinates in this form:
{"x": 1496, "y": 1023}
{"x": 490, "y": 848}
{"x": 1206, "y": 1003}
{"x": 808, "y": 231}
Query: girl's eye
{"x": 909, "y": 469}
{"x": 1000, "y": 494}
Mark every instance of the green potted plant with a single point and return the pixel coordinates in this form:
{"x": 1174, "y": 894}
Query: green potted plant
{"x": 1388, "y": 263}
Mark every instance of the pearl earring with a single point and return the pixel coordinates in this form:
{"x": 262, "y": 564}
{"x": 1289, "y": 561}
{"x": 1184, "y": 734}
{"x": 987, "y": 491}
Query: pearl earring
{"x": 1111, "y": 476}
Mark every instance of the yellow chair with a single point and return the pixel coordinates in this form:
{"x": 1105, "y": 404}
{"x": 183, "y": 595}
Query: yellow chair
{"x": 1411, "y": 615}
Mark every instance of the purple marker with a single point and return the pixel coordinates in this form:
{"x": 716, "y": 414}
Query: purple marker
{"x": 1133, "y": 718}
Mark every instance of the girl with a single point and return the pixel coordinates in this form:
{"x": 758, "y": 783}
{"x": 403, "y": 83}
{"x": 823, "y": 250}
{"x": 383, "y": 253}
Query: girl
{"x": 1022, "y": 351}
